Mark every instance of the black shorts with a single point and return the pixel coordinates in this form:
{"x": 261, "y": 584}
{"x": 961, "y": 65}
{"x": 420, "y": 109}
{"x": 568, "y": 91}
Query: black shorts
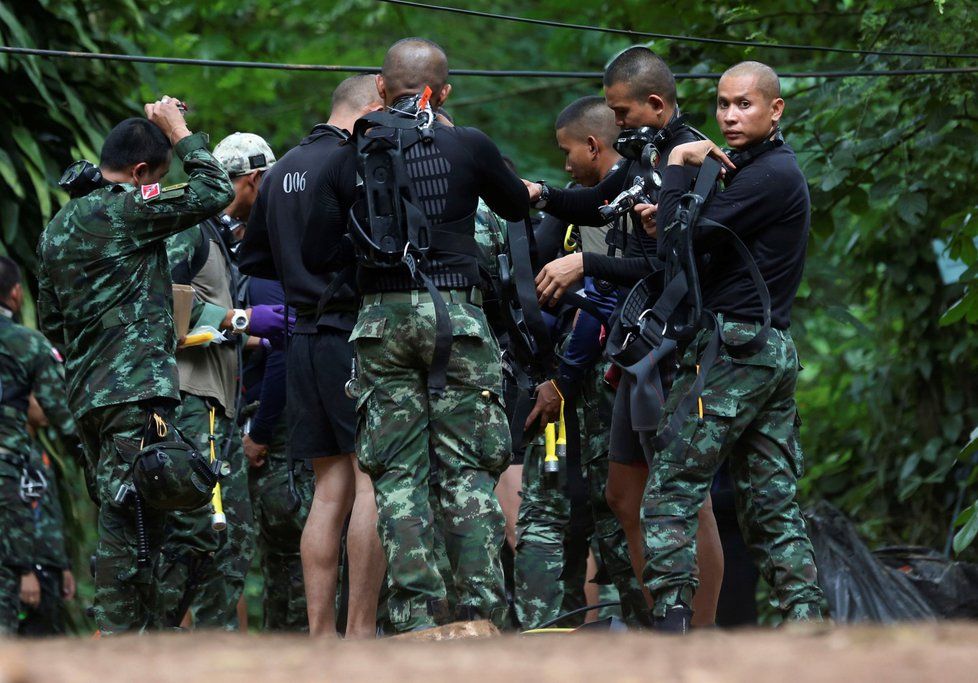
{"x": 623, "y": 445}
{"x": 321, "y": 417}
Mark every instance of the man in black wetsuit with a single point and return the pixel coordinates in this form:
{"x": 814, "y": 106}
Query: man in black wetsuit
{"x": 748, "y": 410}
{"x": 408, "y": 424}
{"x": 296, "y": 234}
{"x": 641, "y": 91}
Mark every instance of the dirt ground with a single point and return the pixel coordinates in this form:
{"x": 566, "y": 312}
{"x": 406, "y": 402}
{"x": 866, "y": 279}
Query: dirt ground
{"x": 946, "y": 652}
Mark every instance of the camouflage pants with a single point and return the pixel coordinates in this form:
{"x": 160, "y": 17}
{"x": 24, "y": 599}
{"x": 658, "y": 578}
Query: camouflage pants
{"x": 16, "y": 545}
{"x": 279, "y": 518}
{"x": 749, "y": 416}
{"x": 198, "y": 564}
{"x": 611, "y": 548}
{"x": 401, "y": 429}
{"x": 125, "y": 595}
{"x": 541, "y": 528}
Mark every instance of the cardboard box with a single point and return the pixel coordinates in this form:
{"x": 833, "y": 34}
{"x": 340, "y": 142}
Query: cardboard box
{"x": 183, "y": 299}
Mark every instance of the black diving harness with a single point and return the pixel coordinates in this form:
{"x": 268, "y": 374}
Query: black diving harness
{"x": 648, "y": 328}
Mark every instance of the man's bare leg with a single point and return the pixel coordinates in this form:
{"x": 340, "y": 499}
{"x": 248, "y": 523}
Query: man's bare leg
{"x": 366, "y": 559}
{"x": 709, "y": 563}
{"x": 508, "y": 494}
{"x": 321, "y": 536}
{"x": 242, "y": 610}
{"x": 626, "y": 488}
{"x": 592, "y": 594}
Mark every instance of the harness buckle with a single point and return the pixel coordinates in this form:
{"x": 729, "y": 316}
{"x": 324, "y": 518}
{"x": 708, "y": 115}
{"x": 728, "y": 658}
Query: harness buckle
{"x": 653, "y": 337}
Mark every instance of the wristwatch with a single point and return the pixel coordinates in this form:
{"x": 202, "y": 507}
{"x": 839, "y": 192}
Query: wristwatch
{"x": 541, "y": 203}
{"x": 239, "y": 321}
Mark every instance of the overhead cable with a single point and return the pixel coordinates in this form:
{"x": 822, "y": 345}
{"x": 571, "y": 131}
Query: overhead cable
{"x": 494, "y": 73}
{"x": 679, "y": 38}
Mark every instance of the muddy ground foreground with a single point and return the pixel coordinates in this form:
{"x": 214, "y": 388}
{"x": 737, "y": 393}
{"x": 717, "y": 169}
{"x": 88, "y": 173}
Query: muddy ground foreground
{"x": 944, "y": 652}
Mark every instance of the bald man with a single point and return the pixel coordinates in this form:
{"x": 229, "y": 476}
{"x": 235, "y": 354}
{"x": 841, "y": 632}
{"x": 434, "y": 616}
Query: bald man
{"x": 748, "y": 412}
{"x": 434, "y": 453}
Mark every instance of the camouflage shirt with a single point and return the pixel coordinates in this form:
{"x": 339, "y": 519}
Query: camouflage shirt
{"x": 28, "y": 364}
{"x": 490, "y": 236}
{"x": 105, "y": 288}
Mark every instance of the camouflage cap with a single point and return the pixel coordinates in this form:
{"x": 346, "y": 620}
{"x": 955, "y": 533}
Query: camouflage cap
{"x": 242, "y": 153}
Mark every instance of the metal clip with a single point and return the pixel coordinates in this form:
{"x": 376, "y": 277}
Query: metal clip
{"x": 352, "y": 386}
{"x": 33, "y": 484}
{"x": 123, "y": 494}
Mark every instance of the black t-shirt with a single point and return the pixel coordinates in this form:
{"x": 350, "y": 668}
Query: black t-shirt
{"x": 297, "y": 228}
{"x": 449, "y": 175}
{"x": 767, "y": 204}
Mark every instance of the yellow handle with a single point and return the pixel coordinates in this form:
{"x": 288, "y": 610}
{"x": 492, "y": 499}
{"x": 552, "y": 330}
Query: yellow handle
{"x": 569, "y": 243}
{"x": 561, "y": 431}
{"x": 197, "y": 339}
{"x": 218, "y": 520}
{"x": 550, "y": 442}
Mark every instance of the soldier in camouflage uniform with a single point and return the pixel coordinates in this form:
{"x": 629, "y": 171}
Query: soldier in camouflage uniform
{"x": 585, "y": 132}
{"x": 203, "y": 569}
{"x": 402, "y": 425}
{"x": 105, "y": 294}
{"x": 51, "y": 564}
{"x": 28, "y": 364}
{"x": 747, "y": 410}
{"x": 280, "y": 511}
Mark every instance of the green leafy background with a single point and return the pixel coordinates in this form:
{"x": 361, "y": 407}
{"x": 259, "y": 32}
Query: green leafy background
{"x": 885, "y": 313}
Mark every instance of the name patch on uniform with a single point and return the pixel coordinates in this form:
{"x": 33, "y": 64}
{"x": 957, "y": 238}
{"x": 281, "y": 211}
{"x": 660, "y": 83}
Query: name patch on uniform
{"x": 150, "y": 191}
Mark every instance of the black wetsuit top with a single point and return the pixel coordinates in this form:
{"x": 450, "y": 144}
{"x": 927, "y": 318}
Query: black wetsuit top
{"x": 297, "y": 229}
{"x": 449, "y": 175}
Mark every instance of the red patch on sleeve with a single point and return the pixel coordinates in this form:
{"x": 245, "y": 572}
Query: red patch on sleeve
{"x": 150, "y": 191}
{"x": 57, "y": 355}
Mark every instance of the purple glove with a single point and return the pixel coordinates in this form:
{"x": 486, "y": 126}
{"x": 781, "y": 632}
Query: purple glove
{"x": 268, "y": 322}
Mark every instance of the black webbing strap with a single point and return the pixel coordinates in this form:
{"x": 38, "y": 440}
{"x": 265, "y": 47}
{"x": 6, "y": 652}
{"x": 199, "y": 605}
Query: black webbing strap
{"x": 530, "y": 327}
{"x": 580, "y": 302}
{"x": 641, "y": 328}
{"x": 688, "y": 402}
{"x": 438, "y": 372}
{"x": 347, "y": 276}
{"x": 455, "y": 238}
{"x": 186, "y": 270}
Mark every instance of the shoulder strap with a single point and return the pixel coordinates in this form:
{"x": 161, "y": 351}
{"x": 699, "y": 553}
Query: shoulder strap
{"x": 185, "y": 271}
{"x": 530, "y": 338}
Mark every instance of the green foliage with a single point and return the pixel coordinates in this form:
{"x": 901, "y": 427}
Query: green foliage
{"x": 53, "y": 112}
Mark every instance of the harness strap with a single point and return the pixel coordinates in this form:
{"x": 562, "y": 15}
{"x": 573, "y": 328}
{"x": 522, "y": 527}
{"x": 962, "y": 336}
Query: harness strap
{"x": 585, "y": 304}
{"x": 529, "y": 332}
{"x": 641, "y": 330}
{"x": 347, "y": 276}
{"x": 442, "y": 353}
{"x": 691, "y": 399}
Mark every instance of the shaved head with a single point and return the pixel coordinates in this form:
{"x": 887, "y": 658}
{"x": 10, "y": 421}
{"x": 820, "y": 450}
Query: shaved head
{"x": 355, "y": 93}
{"x": 410, "y": 65}
{"x": 589, "y": 116}
{"x": 765, "y": 79}
{"x": 644, "y": 72}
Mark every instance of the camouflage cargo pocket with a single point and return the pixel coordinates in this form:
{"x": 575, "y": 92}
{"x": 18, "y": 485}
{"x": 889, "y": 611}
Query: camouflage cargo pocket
{"x": 698, "y": 445}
